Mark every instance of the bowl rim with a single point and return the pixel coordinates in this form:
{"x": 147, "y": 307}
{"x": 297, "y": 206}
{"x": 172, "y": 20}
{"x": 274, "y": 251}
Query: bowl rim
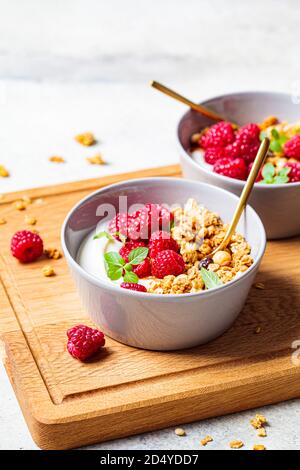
{"x": 235, "y": 182}
{"x": 146, "y": 295}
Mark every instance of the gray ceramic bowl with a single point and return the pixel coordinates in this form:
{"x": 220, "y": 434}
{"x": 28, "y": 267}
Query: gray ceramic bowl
{"x": 157, "y": 321}
{"x": 277, "y": 205}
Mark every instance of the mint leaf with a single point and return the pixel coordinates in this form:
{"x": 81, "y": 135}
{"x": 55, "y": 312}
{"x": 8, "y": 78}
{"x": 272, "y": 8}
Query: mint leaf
{"x": 281, "y": 179}
{"x": 282, "y": 176}
{"x": 103, "y": 234}
{"x": 114, "y": 273}
{"x": 137, "y": 255}
{"x": 284, "y": 171}
{"x": 263, "y": 135}
{"x": 131, "y": 277}
{"x": 283, "y": 139}
{"x": 128, "y": 267}
{"x": 275, "y": 146}
{"x": 114, "y": 265}
{"x": 268, "y": 171}
{"x": 112, "y": 257}
{"x": 275, "y": 133}
{"x": 210, "y": 279}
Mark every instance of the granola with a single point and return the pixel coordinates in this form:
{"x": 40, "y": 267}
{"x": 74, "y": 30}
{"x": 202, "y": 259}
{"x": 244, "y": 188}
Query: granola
{"x": 3, "y": 171}
{"x": 96, "y": 159}
{"x": 259, "y": 447}
{"x": 86, "y": 139}
{"x": 198, "y": 232}
{"x": 48, "y": 271}
{"x": 259, "y": 421}
{"x": 53, "y": 253}
{"x": 56, "y": 159}
{"x": 180, "y": 432}
{"x": 206, "y": 440}
{"x": 30, "y": 220}
{"x": 236, "y": 444}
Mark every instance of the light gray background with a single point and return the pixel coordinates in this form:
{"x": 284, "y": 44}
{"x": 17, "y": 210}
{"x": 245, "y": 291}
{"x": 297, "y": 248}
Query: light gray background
{"x": 74, "y": 65}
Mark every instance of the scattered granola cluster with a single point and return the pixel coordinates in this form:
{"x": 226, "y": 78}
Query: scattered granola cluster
{"x": 198, "y": 232}
{"x": 258, "y": 423}
{"x": 4, "y": 173}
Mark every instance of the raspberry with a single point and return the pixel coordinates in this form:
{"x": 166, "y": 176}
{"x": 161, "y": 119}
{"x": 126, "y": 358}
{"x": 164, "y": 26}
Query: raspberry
{"x": 248, "y": 134}
{"x": 233, "y": 168}
{"x": 26, "y": 246}
{"x": 246, "y": 144}
{"x": 259, "y": 176}
{"x": 133, "y": 286}
{"x": 165, "y": 218}
{"x": 160, "y": 241}
{"x": 294, "y": 173}
{"x": 166, "y": 263}
{"x": 126, "y": 224}
{"x": 292, "y": 147}
{"x": 213, "y": 154}
{"x": 84, "y": 341}
{"x": 218, "y": 135}
{"x": 240, "y": 149}
{"x": 143, "y": 269}
{"x": 120, "y": 224}
{"x": 127, "y": 247}
{"x": 153, "y": 217}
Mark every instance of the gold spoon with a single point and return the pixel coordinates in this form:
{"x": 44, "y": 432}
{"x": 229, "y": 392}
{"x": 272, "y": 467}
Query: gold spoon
{"x": 197, "y": 107}
{"x": 257, "y": 164}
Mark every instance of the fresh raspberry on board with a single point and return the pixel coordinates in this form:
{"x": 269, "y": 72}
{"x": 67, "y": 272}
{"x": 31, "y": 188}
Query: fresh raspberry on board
{"x": 292, "y": 147}
{"x": 218, "y": 135}
{"x": 143, "y": 269}
{"x": 213, "y": 154}
{"x": 84, "y": 342}
{"x": 133, "y": 286}
{"x": 153, "y": 217}
{"x": 128, "y": 247}
{"x": 294, "y": 173}
{"x": 166, "y": 263}
{"x": 26, "y": 246}
{"x": 232, "y": 168}
{"x": 160, "y": 241}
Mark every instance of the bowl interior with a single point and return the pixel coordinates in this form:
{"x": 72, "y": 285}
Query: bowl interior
{"x": 90, "y": 211}
{"x": 241, "y": 108}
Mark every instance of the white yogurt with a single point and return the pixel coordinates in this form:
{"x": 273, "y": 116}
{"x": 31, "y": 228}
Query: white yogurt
{"x": 198, "y": 157}
{"x": 91, "y": 252}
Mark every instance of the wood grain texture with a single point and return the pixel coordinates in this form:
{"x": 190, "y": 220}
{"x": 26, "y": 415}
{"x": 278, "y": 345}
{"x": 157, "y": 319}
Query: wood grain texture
{"x": 124, "y": 390}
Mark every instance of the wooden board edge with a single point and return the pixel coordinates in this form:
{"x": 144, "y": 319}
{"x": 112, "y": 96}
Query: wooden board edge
{"x": 93, "y": 183}
{"x": 236, "y": 398}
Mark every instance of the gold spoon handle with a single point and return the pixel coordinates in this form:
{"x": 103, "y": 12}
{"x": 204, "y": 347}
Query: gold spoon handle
{"x": 197, "y": 107}
{"x": 257, "y": 164}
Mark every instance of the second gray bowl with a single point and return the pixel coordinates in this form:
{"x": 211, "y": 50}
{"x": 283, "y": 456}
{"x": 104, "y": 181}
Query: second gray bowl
{"x": 277, "y": 205}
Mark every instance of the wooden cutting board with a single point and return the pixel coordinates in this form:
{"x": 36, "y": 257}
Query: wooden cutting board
{"x": 124, "y": 390}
